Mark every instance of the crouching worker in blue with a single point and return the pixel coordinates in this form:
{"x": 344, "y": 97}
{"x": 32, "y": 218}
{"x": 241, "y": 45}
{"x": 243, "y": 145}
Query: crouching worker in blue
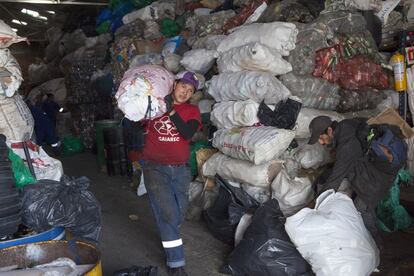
{"x": 166, "y": 171}
{"x": 367, "y": 156}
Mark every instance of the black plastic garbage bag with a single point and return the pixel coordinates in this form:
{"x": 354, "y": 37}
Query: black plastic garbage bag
{"x": 67, "y": 203}
{"x": 284, "y": 115}
{"x": 266, "y": 248}
{"x": 231, "y": 204}
{"x": 137, "y": 271}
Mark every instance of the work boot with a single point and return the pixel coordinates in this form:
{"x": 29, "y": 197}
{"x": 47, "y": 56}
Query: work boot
{"x": 177, "y": 271}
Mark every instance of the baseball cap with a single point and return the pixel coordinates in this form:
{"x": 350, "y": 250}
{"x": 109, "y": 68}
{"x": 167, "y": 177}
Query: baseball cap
{"x": 189, "y": 77}
{"x": 317, "y": 127}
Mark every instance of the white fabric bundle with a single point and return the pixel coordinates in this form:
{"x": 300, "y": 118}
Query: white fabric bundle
{"x": 16, "y": 120}
{"x": 241, "y": 171}
{"x": 199, "y": 60}
{"x": 256, "y": 144}
{"x": 11, "y": 66}
{"x": 137, "y": 85}
{"x": 280, "y": 36}
{"x": 253, "y": 57}
{"x": 306, "y": 115}
{"x": 235, "y": 114}
{"x": 241, "y": 86}
{"x": 292, "y": 193}
{"x": 332, "y": 237}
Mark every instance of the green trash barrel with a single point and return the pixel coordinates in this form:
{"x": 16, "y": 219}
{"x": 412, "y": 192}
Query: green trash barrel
{"x": 99, "y": 127}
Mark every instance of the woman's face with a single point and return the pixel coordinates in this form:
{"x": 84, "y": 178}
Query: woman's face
{"x": 182, "y": 92}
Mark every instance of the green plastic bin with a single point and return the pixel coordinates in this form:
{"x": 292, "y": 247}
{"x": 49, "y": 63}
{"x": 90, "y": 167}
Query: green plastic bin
{"x": 99, "y": 127}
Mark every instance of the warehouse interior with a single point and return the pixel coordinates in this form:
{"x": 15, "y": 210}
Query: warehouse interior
{"x": 212, "y": 137}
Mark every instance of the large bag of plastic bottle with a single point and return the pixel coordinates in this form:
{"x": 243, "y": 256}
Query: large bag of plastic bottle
{"x": 314, "y": 92}
{"x": 235, "y": 114}
{"x": 241, "y": 171}
{"x": 253, "y": 57}
{"x": 280, "y": 36}
{"x": 256, "y": 144}
{"x": 241, "y": 86}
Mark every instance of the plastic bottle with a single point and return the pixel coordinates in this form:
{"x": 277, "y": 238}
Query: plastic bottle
{"x": 398, "y": 65}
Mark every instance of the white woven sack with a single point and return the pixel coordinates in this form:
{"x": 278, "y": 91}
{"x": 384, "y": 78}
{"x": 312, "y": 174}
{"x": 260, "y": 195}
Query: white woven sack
{"x": 9, "y": 63}
{"x": 45, "y": 167}
{"x": 199, "y": 60}
{"x": 306, "y": 115}
{"x": 410, "y": 155}
{"x": 253, "y": 57}
{"x": 280, "y": 36}
{"x": 235, "y": 114}
{"x": 256, "y": 144}
{"x": 8, "y": 36}
{"x": 241, "y": 86}
{"x": 241, "y": 171}
{"x": 332, "y": 237}
{"x": 16, "y": 120}
{"x": 292, "y": 193}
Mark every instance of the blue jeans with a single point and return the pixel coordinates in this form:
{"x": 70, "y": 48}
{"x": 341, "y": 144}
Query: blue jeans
{"x": 167, "y": 188}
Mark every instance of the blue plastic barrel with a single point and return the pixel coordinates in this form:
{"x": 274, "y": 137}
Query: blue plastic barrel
{"x": 57, "y": 233}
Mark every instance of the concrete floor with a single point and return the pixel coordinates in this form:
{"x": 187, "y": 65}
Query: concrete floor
{"x": 125, "y": 242}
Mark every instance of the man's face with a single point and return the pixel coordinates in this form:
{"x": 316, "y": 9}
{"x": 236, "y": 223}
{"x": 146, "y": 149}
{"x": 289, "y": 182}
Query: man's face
{"x": 182, "y": 92}
{"x": 326, "y": 138}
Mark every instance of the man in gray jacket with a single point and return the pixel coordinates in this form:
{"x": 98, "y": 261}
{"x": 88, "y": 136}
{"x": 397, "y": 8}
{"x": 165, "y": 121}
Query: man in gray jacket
{"x": 370, "y": 175}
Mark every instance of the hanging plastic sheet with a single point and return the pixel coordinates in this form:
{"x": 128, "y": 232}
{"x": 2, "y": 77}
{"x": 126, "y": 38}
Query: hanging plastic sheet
{"x": 232, "y": 203}
{"x": 266, "y": 249}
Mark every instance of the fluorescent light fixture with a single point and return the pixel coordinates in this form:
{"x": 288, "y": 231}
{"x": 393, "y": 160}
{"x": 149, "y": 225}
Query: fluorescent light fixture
{"x": 42, "y": 17}
{"x": 51, "y": 12}
{"x": 14, "y": 30}
{"x": 30, "y": 12}
{"x": 15, "y": 21}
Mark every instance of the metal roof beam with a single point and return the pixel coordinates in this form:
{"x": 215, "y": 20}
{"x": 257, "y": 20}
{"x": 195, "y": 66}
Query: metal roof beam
{"x": 55, "y": 2}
